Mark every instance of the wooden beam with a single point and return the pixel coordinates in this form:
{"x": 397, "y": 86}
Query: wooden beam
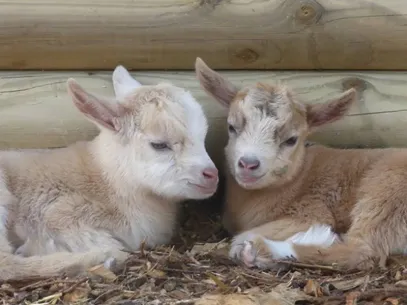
{"x": 36, "y": 112}
{"x": 170, "y": 34}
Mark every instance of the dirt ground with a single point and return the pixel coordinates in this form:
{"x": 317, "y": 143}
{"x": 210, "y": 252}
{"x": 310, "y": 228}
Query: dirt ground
{"x": 196, "y": 270}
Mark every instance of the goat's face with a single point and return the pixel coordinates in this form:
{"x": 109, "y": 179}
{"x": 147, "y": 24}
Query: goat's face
{"x": 268, "y": 128}
{"x": 157, "y": 136}
{"x": 267, "y": 133}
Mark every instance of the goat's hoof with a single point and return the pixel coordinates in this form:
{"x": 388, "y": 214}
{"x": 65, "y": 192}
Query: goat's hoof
{"x": 110, "y": 263}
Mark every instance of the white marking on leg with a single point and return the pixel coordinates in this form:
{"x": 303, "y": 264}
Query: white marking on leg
{"x": 316, "y": 235}
{"x": 281, "y": 249}
{"x": 278, "y": 249}
{"x": 110, "y": 263}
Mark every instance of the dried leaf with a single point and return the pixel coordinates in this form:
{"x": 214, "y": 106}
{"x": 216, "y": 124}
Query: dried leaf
{"x": 281, "y": 295}
{"x": 156, "y": 274}
{"x": 402, "y": 283}
{"x": 209, "y": 281}
{"x": 50, "y": 299}
{"x": 352, "y": 298}
{"x": 170, "y": 285}
{"x": 103, "y": 272}
{"x": 252, "y": 290}
{"x": 284, "y": 295}
{"x": 313, "y": 288}
{"x": 348, "y": 284}
{"x": 206, "y": 248}
{"x": 228, "y": 299}
{"x": 218, "y": 282}
{"x": 398, "y": 276}
{"x": 78, "y": 294}
{"x": 392, "y": 301}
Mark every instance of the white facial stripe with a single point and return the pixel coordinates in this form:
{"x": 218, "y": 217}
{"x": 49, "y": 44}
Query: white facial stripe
{"x": 196, "y": 119}
{"x": 171, "y": 173}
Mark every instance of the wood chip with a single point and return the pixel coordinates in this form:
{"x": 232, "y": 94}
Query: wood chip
{"x": 345, "y": 285}
{"x": 103, "y": 272}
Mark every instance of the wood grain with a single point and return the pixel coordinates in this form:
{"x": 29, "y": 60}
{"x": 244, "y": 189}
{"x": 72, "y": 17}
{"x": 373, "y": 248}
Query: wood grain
{"x": 36, "y": 112}
{"x": 170, "y": 34}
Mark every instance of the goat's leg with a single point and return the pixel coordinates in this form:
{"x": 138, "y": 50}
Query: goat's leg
{"x": 65, "y": 229}
{"x": 379, "y": 223}
{"x": 261, "y": 246}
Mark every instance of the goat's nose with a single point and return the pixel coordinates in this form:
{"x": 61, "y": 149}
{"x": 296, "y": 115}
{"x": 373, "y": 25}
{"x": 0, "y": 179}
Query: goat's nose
{"x": 210, "y": 173}
{"x": 251, "y": 163}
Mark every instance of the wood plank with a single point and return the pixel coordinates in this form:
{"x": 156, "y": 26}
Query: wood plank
{"x": 170, "y": 34}
{"x": 36, "y": 112}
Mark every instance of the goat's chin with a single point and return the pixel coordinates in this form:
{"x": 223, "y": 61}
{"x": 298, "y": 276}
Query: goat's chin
{"x": 262, "y": 181}
{"x": 252, "y": 185}
{"x": 188, "y": 191}
{"x": 197, "y": 192}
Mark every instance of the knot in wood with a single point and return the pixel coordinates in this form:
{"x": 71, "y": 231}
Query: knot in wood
{"x": 354, "y": 82}
{"x": 246, "y": 55}
{"x": 309, "y": 12}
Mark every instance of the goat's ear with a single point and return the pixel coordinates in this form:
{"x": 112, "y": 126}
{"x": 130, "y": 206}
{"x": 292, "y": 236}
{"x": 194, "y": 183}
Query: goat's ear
{"x": 96, "y": 109}
{"x": 215, "y": 84}
{"x": 123, "y": 82}
{"x": 331, "y": 111}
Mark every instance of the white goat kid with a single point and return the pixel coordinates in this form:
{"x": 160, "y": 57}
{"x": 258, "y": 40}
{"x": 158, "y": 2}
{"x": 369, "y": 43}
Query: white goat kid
{"x": 66, "y": 209}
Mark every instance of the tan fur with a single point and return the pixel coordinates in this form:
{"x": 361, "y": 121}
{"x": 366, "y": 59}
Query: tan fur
{"x": 360, "y": 192}
{"x": 64, "y": 210}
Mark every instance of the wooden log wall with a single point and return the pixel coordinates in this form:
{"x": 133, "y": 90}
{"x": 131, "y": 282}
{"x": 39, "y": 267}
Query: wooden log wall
{"x": 170, "y": 34}
{"x": 346, "y": 35}
{"x": 36, "y": 112}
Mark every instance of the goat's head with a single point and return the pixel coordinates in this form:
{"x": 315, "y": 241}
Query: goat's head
{"x": 153, "y": 135}
{"x": 268, "y": 127}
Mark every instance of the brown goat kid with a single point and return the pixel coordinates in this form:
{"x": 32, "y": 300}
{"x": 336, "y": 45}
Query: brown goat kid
{"x": 67, "y": 209}
{"x": 284, "y": 197}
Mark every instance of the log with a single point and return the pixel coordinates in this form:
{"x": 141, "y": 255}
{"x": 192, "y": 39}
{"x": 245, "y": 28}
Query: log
{"x": 36, "y": 111}
{"x": 170, "y": 34}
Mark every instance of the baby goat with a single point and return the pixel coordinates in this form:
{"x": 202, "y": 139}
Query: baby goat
{"x": 64, "y": 210}
{"x": 283, "y": 196}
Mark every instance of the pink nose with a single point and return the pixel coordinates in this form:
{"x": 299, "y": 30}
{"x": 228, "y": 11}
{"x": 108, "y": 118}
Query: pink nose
{"x": 250, "y": 163}
{"x": 210, "y": 173}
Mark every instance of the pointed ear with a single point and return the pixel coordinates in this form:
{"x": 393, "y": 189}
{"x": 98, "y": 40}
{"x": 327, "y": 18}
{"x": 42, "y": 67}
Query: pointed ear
{"x": 214, "y": 84}
{"x": 331, "y": 111}
{"x": 123, "y": 82}
{"x": 95, "y": 109}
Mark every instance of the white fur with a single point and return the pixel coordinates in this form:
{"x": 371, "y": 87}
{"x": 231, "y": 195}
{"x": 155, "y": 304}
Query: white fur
{"x": 123, "y": 82}
{"x": 168, "y": 173}
{"x": 238, "y": 242}
{"x": 281, "y": 249}
{"x": 3, "y": 219}
{"x": 278, "y": 249}
{"x": 316, "y": 235}
{"x": 111, "y": 193}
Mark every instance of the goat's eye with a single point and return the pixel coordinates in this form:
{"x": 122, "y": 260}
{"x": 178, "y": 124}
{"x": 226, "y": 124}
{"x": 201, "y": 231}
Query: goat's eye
{"x": 231, "y": 129}
{"x": 159, "y": 146}
{"x": 291, "y": 141}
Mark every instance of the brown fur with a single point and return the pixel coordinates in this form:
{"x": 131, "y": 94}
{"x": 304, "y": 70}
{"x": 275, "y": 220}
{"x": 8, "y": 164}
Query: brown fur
{"x": 360, "y": 192}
